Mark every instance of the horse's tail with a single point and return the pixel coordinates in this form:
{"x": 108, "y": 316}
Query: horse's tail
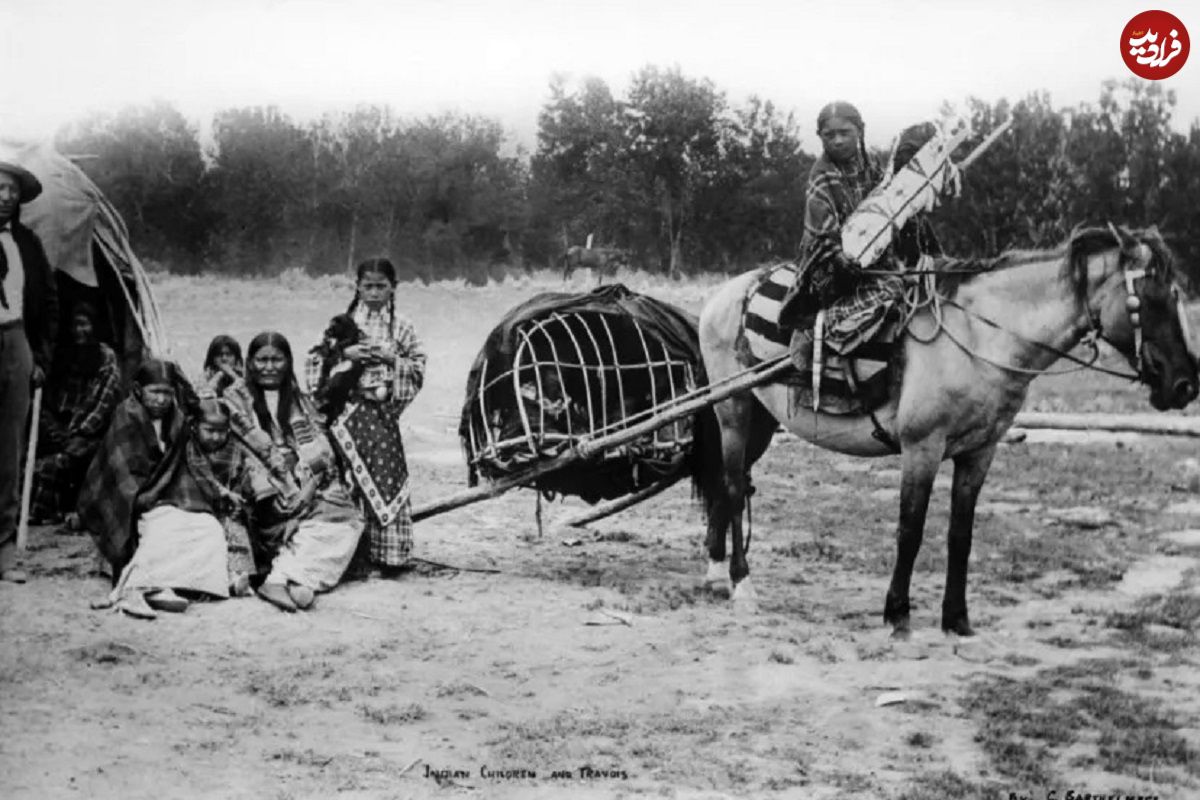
{"x": 708, "y": 462}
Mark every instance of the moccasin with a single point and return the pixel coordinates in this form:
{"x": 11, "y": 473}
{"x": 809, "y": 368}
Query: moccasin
{"x": 166, "y": 600}
{"x": 302, "y": 596}
{"x": 277, "y": 595}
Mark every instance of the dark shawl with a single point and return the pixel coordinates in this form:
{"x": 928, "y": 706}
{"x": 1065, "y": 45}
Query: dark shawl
{"x": 124, "y": 463}
{"x": 192, "y": 480}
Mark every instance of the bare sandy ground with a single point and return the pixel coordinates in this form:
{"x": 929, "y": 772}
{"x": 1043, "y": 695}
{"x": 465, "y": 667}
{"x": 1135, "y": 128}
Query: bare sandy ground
{"x": 593, "y": 663}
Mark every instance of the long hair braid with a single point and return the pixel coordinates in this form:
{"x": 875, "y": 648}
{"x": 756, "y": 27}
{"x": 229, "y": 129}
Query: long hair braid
{"x": 288, "y": 390}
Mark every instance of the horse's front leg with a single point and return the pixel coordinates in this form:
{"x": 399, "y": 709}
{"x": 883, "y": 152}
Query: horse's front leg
{"x": 969, "y": 472}
{"x": 919, "y": 466}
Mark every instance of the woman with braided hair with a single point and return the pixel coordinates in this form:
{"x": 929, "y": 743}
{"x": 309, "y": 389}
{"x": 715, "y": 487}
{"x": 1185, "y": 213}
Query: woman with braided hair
{"x": 366, "y": 430}
{"x": 855, "y": 303}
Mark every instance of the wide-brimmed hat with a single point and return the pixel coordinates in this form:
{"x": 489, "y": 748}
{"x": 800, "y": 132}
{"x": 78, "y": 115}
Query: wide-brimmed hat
{"x": 31, "y": 187}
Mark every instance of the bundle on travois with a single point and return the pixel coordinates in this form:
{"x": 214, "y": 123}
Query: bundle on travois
{"x": 565, "y": 370}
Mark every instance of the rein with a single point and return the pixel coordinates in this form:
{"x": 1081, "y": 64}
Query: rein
{"x": 934, "y": 300}
{"x": 1090, "y": 339}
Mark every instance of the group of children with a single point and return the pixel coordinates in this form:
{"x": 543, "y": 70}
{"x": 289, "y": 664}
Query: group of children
{"x": 237, "y": 482}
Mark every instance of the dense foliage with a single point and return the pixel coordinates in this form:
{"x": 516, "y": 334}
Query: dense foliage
{"x": 671, "y": 172}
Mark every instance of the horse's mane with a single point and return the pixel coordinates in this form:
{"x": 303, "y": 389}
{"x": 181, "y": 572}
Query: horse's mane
{"x": 1083, "y": 243}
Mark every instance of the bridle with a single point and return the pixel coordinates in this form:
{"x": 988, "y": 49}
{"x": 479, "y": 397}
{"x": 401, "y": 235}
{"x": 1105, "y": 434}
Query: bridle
{"x": 1133, "y": 306}
{"x": 1094, "y": 333}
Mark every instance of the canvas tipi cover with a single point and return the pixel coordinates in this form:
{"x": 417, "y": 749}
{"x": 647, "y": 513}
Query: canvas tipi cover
{"x": 87, "y": 244}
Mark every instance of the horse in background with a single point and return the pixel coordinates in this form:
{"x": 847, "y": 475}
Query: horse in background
{"x": 603, "y": 261}
{"x": 967, "y": 359}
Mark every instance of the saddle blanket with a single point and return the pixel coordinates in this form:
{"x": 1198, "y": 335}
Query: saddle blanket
{"x": 854, "y": 385}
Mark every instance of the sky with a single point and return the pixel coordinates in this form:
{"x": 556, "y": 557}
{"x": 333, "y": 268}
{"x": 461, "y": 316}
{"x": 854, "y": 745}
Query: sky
{"x": 897, "y": 61}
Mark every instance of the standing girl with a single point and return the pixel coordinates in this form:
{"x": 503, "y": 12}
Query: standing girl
{"x": 367, "y": 431}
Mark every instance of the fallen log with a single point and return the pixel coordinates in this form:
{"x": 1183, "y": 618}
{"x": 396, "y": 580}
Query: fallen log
{"x": 1156, "y": 424}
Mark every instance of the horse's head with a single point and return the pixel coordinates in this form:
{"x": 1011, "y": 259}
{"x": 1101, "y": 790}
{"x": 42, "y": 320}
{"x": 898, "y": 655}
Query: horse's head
{"x": 1138, "y": 309}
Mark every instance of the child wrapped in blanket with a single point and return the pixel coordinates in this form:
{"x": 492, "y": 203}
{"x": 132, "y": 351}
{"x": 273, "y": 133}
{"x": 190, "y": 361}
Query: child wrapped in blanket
{"x": 191, "y": 521}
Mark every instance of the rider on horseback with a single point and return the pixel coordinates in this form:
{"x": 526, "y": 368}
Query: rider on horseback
{"x": 856, "y": 303}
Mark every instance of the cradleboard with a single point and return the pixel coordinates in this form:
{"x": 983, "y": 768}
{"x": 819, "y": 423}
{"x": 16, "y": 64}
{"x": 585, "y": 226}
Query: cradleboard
{"x": 914, "y": 188}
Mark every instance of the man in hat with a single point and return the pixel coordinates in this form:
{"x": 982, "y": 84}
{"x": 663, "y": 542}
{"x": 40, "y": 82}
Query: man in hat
{"x": 28, "y": 323}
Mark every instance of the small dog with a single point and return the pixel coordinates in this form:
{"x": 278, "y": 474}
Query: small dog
{"x": 339, "y": 375}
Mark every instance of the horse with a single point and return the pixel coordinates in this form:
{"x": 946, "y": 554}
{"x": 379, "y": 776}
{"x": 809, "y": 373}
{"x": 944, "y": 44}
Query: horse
{"x": 963, "y": 378}
{"x": 603, "y": 261}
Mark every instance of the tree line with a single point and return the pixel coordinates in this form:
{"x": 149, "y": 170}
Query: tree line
{"x": 671, "y": 171}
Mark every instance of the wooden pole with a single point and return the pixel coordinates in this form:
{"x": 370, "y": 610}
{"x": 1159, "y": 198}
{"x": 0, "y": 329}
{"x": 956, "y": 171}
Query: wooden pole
{"x": 620, "y": 504}
{"x": 985, "y": 144}
{"x": 30, "y": 463}
{"x": 1158, "y": 424}
{"x": 706, "y": 396}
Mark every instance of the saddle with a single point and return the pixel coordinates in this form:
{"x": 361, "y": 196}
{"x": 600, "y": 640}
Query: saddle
{"x": 855, "y": 381}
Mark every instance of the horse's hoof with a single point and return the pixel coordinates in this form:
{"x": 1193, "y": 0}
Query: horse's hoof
{"x": 901, "y": 631}
{"x": 716, "y": 580}
{"x": 960, "y": 627}
{"x": 745, "y": 601}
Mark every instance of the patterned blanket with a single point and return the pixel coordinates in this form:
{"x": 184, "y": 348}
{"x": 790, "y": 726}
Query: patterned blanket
{"x": 124, "y": 463}
{"x": 848, "y": 385}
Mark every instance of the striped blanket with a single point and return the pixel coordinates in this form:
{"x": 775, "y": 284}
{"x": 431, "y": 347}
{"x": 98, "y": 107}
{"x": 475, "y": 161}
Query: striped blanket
{"x": 848, "y": 385}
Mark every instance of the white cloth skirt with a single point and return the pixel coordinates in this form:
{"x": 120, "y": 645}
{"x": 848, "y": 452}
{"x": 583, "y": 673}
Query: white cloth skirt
{"x": 177, "y": 550}
{"x": 318, "y": 554}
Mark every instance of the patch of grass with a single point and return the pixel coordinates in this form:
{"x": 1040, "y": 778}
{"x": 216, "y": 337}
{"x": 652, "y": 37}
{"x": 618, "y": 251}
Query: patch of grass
{"x": 666, "y": 597}
{"x": 1020, "y": 660}
{"x": 614, "y": 536}
{"x": 1163, "y": 623}
{"x": 725, "y": 746}
{"x": 1024, "y": 724}
{"x": 919, "y": 739}
{"x": 943, "y": 785}
{"x": 1177, "y": 610}
{"x": 821, "y": 549}
{"x": 275, "y": 692}
{"x": 917, "y": 705}
{"x": 456, "y": 688}
{"x": 777, "y": 657}
{"x": 394, "y": 714}
{"x": 304, "y": 758}
{"x": 291, "y": 686}
{"x": 855, "y": 782}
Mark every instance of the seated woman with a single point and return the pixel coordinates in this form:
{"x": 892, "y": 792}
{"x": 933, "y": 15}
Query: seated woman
{"x": 142, "y": 431}
{"x": 83, "y": 388}
{"x": 190, "y": 530}
{"x": 308, "y": 528}
{"x": 222, "y": 364}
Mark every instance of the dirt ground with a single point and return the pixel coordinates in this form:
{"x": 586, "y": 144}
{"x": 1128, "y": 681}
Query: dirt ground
{"x": 593, "y": 663}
